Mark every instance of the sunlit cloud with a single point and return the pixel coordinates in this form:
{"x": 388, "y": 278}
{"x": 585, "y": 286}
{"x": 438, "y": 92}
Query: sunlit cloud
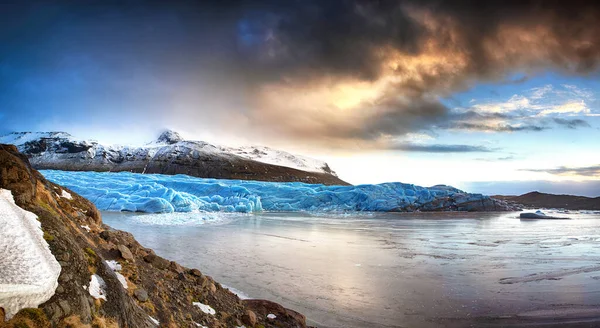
{"x": 572, "y": 107}
{"x": 587, "y": 171}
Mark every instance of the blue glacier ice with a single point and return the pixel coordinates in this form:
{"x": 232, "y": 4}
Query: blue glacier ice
{"x": 156, "y": 193}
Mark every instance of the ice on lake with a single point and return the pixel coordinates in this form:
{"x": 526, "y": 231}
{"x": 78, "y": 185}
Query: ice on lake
{"x": 394, "y": 269}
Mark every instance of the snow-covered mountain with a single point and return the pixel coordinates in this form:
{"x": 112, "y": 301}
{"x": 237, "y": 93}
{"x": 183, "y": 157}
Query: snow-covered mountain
{"x": 169, "y": 154}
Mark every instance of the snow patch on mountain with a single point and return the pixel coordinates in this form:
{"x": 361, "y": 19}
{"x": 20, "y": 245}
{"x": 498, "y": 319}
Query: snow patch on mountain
{"x": 45, "y": 147}
{"x": 281, "y": 158}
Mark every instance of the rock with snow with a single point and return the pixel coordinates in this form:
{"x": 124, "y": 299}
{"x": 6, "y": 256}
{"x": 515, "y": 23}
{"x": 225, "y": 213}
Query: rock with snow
{"x": 169, "y": 154}
{"x": 28, "y": 270}
{"x": 168, "y": 137}
{"x": 133, "y": 192}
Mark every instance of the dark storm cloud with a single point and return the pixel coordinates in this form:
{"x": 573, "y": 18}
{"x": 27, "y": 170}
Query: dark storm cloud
{"x": 440, "y": 148}
{"x": 473, "y": 121}
{"x": 571, "y": 123}
{"x": 346, "y": 37}
{"x": 587, "y": 171}
{"x": 193, "y": 64}
{"x": 498, "y": 128}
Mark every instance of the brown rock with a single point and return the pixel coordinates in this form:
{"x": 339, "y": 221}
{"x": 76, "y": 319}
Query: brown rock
{"x": 2, "y": 315}
{"x": 64, "y": 305}
{"x": 212, "y": 288}
{"x": 105, "y": 235}
{"x": 196, "y": 272}
{"x": 249, "y": 318}
{"x": 125, "y": 253}
{"x": 176, "y": 267}
{"x": 141, "y": 294}
{"x": 157, "y": 261}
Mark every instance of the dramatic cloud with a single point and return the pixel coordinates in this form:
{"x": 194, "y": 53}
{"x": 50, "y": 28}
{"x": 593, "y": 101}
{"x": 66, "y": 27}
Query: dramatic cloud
{"x": 497, "y": 128}
{"x": 571, "y": 124}
{"x": 589, "y": 171}
{"x": 335, "y": 73}
{"x": 436, "y": 148}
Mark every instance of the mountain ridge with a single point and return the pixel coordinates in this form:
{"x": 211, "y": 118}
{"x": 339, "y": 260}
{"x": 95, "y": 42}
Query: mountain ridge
{"x": 544, "y": 200}
{"x": 170, "y": 154}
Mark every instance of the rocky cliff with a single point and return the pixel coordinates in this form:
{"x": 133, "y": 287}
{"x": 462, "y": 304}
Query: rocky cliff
{"x": 170, "y": 154}
{"x": 137, "y": 288}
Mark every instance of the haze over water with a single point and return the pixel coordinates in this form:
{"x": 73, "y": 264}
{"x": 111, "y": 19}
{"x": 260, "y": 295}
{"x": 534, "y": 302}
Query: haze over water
{"x": 392, "y": 269}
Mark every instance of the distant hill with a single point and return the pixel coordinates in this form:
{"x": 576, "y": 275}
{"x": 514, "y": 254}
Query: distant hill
{"x": 542, "y": 200}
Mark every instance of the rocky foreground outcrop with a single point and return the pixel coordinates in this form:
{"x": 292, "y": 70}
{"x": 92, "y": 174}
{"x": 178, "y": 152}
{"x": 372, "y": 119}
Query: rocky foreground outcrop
{"x": 169, "y": 154}
{"x": 156, "y": 287}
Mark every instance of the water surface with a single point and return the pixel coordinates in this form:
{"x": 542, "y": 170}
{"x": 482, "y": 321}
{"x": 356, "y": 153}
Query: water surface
{"x": 392, "y": 269}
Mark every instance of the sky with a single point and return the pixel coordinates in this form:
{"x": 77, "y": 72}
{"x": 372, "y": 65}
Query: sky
{"x": 495, "y": 97}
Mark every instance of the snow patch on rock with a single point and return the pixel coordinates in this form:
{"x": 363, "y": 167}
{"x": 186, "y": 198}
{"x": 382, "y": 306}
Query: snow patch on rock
{"x": 97, "y": 287}
{"x": 28, "y": 270}
{"x": 116, "y": 267}
{"x": 66, "y": 195}
{"x": 205, "y": 308}
{"x": 155, "y": 321}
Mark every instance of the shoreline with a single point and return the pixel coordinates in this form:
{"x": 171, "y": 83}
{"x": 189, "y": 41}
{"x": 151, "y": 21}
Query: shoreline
{"x": 110, "y": 280}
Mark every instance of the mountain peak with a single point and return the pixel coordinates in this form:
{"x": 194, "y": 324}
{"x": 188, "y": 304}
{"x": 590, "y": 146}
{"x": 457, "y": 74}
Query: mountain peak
{"x": 169, "y": 137}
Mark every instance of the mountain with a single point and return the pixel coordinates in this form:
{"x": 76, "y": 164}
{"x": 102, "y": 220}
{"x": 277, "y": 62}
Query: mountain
{"x": 541, "y": 200}
{"x": 98, "y": 276}
{"x": 170, "y": 154}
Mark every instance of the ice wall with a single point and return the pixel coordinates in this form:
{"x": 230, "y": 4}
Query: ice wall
{"x": 155, "y": 193}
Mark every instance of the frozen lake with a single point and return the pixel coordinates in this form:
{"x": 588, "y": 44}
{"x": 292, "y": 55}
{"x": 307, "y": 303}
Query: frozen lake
{"x": 393, "y": 269}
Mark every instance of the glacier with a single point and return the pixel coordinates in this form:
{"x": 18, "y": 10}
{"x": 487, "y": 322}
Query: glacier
{"x": 156, "y": 193}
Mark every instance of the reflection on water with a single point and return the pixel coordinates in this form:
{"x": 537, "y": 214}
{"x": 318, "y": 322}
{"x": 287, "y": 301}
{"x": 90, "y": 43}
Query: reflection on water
{"x": 389, "y": 269}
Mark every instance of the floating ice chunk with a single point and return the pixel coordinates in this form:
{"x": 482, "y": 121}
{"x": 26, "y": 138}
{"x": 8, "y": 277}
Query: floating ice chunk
{"x": 28, "y": 270}
{"x": 205, "y": 308}
{"x": 97, "y": 287}
{"x": 271, "y": 316}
